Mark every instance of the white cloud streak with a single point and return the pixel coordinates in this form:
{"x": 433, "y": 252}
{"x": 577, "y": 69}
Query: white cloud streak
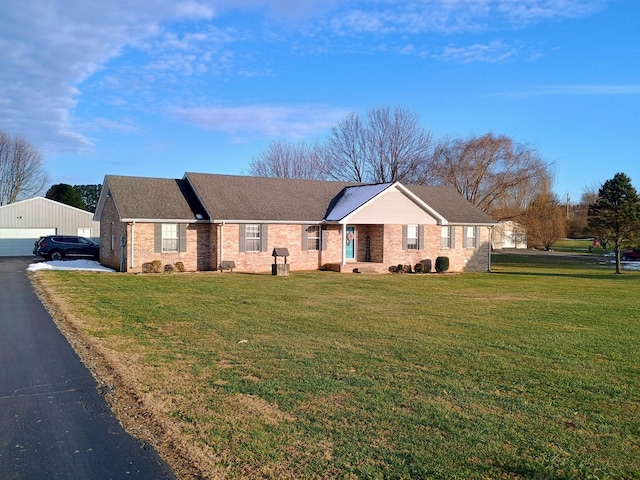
{"x": 51, "y": 47}
{"x": 263, "y": 120}
{"x": 550, "y": 90}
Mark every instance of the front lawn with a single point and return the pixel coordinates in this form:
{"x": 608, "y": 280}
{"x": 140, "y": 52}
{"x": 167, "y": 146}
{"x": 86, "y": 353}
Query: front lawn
{"x": 528, "y": 372}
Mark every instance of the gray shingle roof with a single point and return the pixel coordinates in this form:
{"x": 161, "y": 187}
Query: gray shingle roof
{"x": 261, "y": 199}
{"x": 451, "y": 205}
{"x": 152, "y": 198}
{"x": 230, "y": 197}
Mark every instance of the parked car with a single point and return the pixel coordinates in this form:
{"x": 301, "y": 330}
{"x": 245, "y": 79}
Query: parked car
{"x": 57, "y": 247}
{"x": 630, "y": 254}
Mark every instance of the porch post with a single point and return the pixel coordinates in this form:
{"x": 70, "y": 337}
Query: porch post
{"x": 344, "y": 244}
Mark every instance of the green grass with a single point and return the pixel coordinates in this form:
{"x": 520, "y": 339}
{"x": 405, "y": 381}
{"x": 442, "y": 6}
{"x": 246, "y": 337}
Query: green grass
{"x": 528, "y": 372}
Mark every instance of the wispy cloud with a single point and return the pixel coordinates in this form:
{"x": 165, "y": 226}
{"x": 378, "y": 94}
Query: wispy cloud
{"x": 51, "y": 47}
{"x": 549, "y": 90}
{"x": 145, "y": 51}
{"x": 263, "y": 120}
{"x": 455, "y": 16}
{"x": 493, "y": 52}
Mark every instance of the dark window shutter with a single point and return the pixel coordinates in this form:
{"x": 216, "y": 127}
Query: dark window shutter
{"x": 304, "y": 238}
{"x": 421, "y": 237}
{"x": 263, "y": 237}
{"x": 242, "y": 235}
{"x": 477, "y": 237}
{"x": 452, "y": 233}
{"x": 404, "y": 237}
{"x": 182, "y": 237}
{"x": 325, "y": 237}
{"x": 157, "y": 238}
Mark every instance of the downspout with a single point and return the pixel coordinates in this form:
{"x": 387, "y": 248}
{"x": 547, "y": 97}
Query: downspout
{"x": 221, "y": 244}
{"x": 490, "y": 248}
{"x": 133, "y": 224}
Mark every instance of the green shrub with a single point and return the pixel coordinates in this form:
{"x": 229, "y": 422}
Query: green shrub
{"x": 426, "y": 265}
{"x": 418, "y": 268}
{"x": 442, "y": 264}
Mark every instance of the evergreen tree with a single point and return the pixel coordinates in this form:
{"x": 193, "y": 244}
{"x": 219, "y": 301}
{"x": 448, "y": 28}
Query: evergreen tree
{"x": 616, "y": 213}
{"x": 90, "y": 194}
{"x": 66, "y": 194}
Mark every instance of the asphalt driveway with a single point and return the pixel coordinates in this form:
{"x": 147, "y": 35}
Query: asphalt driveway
{"x": 53, "y": 421}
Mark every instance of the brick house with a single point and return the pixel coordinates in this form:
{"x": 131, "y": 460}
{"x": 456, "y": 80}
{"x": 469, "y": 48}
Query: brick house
{"x": 206, "y": 221}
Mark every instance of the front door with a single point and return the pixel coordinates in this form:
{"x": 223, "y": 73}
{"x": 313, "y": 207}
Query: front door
{"x": 350, "y": 243}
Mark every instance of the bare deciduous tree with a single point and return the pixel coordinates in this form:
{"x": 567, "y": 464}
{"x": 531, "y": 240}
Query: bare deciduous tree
{"x": 288, "y": 160}
{"x": 345, "y": 150}
{"x": 546, "y": 221}
{"x": 22, "y": 173}
{"x": 388, "y": 145}
{"x": 496, "y": 174}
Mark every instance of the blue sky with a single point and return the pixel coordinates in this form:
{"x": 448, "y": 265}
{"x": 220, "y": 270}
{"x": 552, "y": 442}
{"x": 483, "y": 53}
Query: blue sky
{"x": 160, "y": 87}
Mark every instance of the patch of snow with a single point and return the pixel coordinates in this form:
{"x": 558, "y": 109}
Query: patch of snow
{"x": 88, "y": 265}
{"x": 630, "y": 265}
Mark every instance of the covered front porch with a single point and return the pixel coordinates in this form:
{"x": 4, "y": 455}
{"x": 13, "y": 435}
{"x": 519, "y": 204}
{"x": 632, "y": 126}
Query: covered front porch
{"x": 362, "y": 249}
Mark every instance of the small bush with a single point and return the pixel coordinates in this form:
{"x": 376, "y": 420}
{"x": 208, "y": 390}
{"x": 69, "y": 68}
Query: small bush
{"x": 156, "y": 266}
{"x": 418, "y": 268}
{"x": 426, "y": 265}
{"x": 406, "y": 269}
{"x": 147, "y": 268}
{"x": 179, "y": 266}
{"x": 168, "y": 268}
{"x": 442, "y": 264}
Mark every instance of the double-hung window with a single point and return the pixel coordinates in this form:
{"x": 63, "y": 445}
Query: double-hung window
{"x": 470, "y": 240}
{"x": 313, "y": 237}
{"x": 445, "y": 237}
{"x": 252, "y": 238}
{"x": 412, "y": 237}
{"x": 170, "y": 238}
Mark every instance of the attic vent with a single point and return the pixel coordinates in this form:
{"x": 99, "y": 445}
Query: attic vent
{"x": 199, "y": 216}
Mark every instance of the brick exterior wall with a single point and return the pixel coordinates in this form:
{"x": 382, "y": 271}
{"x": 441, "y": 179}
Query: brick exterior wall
{"x": 279, "y": 236}
{"x": 203, "y": 249}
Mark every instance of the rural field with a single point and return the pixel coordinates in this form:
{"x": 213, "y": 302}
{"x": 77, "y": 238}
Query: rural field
{"x": 531, "y": 371}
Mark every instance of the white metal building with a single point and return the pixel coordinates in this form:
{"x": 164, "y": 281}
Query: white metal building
{"x": 509, "y": 234}
{"x": 22, "y": 223}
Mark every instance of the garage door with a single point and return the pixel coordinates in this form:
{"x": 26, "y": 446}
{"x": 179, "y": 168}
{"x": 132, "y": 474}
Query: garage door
{"x": 18, "y": 242}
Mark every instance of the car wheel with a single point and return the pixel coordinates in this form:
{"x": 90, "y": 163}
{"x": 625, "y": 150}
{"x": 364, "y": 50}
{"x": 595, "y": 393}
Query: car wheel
{"x": 55, "y": 256}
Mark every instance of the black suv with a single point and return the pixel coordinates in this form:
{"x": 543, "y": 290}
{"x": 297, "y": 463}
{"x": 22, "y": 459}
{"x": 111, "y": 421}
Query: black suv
{"x": 56, "y": 247}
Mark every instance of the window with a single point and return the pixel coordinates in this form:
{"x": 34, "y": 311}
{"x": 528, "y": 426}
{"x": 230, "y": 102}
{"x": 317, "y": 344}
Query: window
{"x": 313, "y": 237}
{"x": 169, "y": 237}
{"x": 470, "y": 237}
{"x": 252, "y": 238}
{"x": 412, "y": 237}
{"x": 445, "y": 237}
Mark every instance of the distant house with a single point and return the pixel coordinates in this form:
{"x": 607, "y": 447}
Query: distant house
{"x": 22, "y": 223}
{"x": 207, "y": 221}
{"x": 509, "y": 234}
